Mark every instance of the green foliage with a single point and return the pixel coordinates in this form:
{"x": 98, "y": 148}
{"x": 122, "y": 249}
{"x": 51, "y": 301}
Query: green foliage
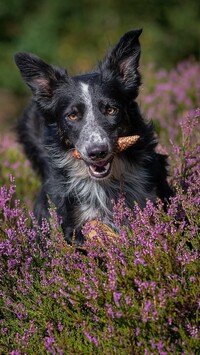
{"x": 75, "y": 34}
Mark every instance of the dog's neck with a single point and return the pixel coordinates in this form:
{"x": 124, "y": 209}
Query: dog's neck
{"x": 94, "y": 198}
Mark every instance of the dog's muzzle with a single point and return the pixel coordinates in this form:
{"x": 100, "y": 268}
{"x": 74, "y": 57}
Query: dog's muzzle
{"x": 99, "y": 164}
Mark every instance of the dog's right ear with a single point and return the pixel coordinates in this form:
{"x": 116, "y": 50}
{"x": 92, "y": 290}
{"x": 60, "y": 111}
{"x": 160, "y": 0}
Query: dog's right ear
{"x": 41, "y": 77}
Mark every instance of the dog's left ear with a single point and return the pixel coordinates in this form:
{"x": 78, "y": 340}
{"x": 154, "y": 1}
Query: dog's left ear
{"x": 123, "y": 60}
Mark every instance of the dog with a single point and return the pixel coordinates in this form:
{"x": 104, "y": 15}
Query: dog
{"x": 89, "y": 112}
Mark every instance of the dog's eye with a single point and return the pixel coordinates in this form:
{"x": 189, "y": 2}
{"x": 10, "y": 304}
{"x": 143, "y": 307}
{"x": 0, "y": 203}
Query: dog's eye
{"x": 72, "y": 116}
{"x": 110, "y": 111}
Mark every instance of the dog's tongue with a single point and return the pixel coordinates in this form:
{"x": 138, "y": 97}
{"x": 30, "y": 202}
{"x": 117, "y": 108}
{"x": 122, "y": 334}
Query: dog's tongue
{"x": 101, "y": 163}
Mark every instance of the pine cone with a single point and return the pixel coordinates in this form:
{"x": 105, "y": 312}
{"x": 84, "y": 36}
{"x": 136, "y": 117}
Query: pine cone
{"x": 123, "y": 143}
{"x": 96, "y": 225}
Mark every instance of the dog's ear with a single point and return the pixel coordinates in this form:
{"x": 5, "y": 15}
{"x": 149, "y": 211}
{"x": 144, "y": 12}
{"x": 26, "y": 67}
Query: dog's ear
{"x": 123, "y": 60}
{"x": 41, "y": 77}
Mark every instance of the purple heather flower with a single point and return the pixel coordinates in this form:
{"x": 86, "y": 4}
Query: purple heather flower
{"x": 117, "y": 296}
{"x": 91, "y": 338}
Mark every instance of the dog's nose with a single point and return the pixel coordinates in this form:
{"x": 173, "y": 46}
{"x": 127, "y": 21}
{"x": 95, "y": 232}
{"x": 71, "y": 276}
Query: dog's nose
{"x": 97, "y": 151}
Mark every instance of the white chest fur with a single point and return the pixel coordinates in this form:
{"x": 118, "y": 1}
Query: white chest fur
{"x": 94, "y": 198}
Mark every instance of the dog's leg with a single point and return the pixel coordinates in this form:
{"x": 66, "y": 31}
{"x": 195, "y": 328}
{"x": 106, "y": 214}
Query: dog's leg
{"x": 41, "y": 211}
{"x": 73, "y": 236}
{"x": 41, "y": 208}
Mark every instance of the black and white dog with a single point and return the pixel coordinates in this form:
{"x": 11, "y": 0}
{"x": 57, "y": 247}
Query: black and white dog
{"x": 90, "y": 112}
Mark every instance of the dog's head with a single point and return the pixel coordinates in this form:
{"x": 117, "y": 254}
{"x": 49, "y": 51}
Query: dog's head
{"x": 90, "y": 109}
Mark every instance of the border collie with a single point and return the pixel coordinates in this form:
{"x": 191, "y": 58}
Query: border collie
{"x": 89, "y": 112}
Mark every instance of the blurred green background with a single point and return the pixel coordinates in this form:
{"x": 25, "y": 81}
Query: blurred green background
{"x": 76, "y": 34}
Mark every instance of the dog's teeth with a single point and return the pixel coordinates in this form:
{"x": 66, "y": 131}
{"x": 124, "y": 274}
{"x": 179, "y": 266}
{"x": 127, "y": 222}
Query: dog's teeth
{"x": 99, "y": 171}
{"x": 107, "y": 166}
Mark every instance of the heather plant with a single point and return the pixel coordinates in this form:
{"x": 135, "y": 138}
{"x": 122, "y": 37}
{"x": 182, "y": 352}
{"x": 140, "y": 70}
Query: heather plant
{"x": 168, "y": 96}
{"x": 134, "y": 292}
{"x": 12, "y": 161}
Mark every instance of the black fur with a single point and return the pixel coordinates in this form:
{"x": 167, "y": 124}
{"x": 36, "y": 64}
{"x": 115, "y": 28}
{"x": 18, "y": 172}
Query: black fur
{"x": 89, "y": 112}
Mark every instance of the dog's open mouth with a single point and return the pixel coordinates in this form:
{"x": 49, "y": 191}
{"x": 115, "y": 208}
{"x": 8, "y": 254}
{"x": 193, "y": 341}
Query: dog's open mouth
{"x": 100, "y": 170}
